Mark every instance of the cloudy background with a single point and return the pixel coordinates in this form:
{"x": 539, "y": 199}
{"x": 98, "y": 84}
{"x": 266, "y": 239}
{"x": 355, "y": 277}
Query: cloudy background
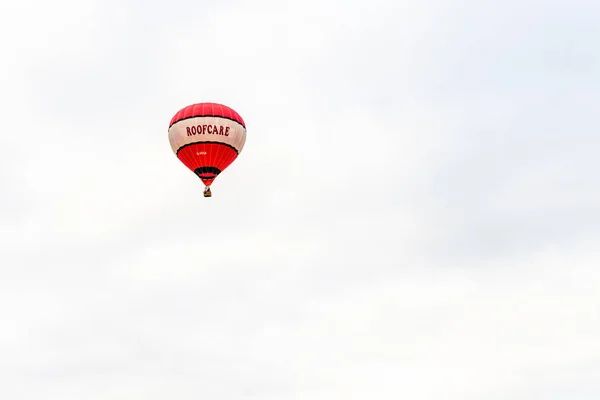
{"x": 415, "y": 214}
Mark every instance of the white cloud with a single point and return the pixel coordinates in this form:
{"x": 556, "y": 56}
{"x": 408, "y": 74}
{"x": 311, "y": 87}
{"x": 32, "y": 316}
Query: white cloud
{"x": 413, "y": 214}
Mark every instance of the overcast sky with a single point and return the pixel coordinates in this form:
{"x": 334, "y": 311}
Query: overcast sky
{"x": 415, "y": 215}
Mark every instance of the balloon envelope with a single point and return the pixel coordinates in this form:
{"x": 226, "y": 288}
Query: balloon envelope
{"x": 207, "y": 138}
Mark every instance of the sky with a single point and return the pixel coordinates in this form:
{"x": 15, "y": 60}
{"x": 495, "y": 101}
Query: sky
{"x": 415, "y": 214}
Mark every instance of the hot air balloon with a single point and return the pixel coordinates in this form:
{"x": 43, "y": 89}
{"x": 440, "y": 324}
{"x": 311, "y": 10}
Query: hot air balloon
{"x": 207, "y": 138}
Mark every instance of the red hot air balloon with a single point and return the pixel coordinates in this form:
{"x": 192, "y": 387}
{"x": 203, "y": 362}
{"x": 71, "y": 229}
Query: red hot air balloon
{"x": 207, "y": 138}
